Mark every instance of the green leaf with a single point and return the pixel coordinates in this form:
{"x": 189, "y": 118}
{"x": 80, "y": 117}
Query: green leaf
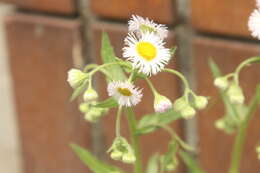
{"x": 172, "y": 149}
{"x": 173, "y": 50}
{"x": 153, "y": 164}
{"x": 108, "y": 56}
{"x": 190, "y": 163}
{"x": 150, "y": 122}
{"x": 93, "y": 164}
{"x": 78, "y": 90}
{"x": 108, "y": 103}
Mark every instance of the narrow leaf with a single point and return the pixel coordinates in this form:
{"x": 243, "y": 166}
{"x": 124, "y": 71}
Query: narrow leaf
{"x": 108, "y": 103}
{"x": 150, "y": 122}
{"x": 108, "y": 56}
{"x": 93, "y": 164}
{"x": 78, "y": 91}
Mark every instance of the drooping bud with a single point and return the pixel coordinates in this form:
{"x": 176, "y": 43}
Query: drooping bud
{"x": 188, "y": 112}
{"x": 129, "y": 158}
{"x": 258, "y": 151}
{"x": 180, "y": 104}
{"x": 116, "y": 155}
{"x": 200, "y": 102}
{"x": 90, "y": 95}
{"x": 221, "y": 83}
{"x": 235, "y": 94}
{"x": 161, "y": 103}
{"x": 76, "y": 77}
{"x": 84, "y": 107}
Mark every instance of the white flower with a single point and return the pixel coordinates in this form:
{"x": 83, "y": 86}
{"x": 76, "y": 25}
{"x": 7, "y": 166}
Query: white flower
{"x": 76, "y": 77}
{"x": 141, "y": 25}
{"x": 147, "y": 54}
{"x": 162, "y": 104}
{"x": 254, "y": 24}
{"x": 125, "y": 93}
{"x": 258, "y": 4}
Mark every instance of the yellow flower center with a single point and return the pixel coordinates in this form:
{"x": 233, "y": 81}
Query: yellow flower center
{"x": 146, "y": 50}
{"x": 124, "y": 91}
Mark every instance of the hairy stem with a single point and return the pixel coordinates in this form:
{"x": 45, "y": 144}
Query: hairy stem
{"x": 135, "y": 140}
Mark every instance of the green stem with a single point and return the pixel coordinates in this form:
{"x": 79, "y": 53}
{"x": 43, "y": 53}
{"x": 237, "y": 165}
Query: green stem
{"x": 243, "y": 64}
{"x": 135, "y": 140}
{"x": 106, "y": 65}
{"x": 118, "y": 121}
{"x": 241, "y": 136}
{"x": 184, "y": 80}
{"x": 151, "y": 86}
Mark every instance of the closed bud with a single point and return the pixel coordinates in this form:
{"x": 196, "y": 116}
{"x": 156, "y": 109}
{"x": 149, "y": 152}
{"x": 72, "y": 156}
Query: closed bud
{"x": 76, "y": 77}
{"x": 116, "y": 155}
{"x": 93, "y": 115}
{"x": 84, "y": 107}
{"x": 200, "y": 102}
{"x": 220, "y": 124}
{"x": 235, "y": 94}
{"x": 162, "y": 104}
{"x": 221, "y": 83}
{"x": 90, "y": 95}
{"x": 129, "y": 158}
{"x": 188, "y": 112}
{"x": 180, "y": 104}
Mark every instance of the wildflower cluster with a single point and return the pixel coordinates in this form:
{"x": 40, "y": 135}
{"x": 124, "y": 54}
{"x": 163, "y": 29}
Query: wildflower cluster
{"x": 145, "y": 55}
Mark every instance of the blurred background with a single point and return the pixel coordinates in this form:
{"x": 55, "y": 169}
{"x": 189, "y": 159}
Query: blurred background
{"x": 40, "y": 40}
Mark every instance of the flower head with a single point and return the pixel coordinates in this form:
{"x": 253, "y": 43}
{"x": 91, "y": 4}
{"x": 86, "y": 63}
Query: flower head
{"x": 76, "y": 77}
{"x": 162, "y": 104}
{"x": 147, "y": 54}
{"x": 254, "y": 24}
{"x": 125, "y": 93}
{"x": 140, "y": 25}
{"x": 90, "y": 95}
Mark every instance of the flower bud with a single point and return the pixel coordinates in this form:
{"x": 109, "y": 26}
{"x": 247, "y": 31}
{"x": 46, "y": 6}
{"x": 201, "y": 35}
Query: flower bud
{"x": 188, "y": 112}
{"x": 180, "y": 104}
{"x": 76, "y": 77}
{"x": 93, "y": 115}
{"x": 221, "y": 83}
{"x": 258, "y": 151}
{"x": 235, "y": 94}
{"x": 200, "y": 102}
{"x": 129, "y": 158}
{"x": 162, "y": 104}
{"x": 84, "y": 107}
{"x": 220, "y": 124}
{"x": 116, "y": 155}
{"x": 90, "y": 95}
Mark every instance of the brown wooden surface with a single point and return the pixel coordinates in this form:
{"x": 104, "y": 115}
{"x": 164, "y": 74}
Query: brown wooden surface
{"x": 155, "y": 142}
{"x": 40, "y": 50}
{"x": 222, "y": 17}
{"x": 50, "y": 6}
{"x": 215, "y": 146}
{"x": 163, "y": 11}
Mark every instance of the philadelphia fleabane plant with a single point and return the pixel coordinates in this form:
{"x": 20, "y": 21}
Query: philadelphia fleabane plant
{"x": 144, "y": 55}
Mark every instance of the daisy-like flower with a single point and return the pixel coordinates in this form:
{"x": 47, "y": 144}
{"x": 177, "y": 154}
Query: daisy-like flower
{"x": 125, "y": 93}
{"x": 254, "y": 24}
{"x": 147, "y": 54}
{"x": 140, "y": 25}
{"x": 258, "y": 4}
